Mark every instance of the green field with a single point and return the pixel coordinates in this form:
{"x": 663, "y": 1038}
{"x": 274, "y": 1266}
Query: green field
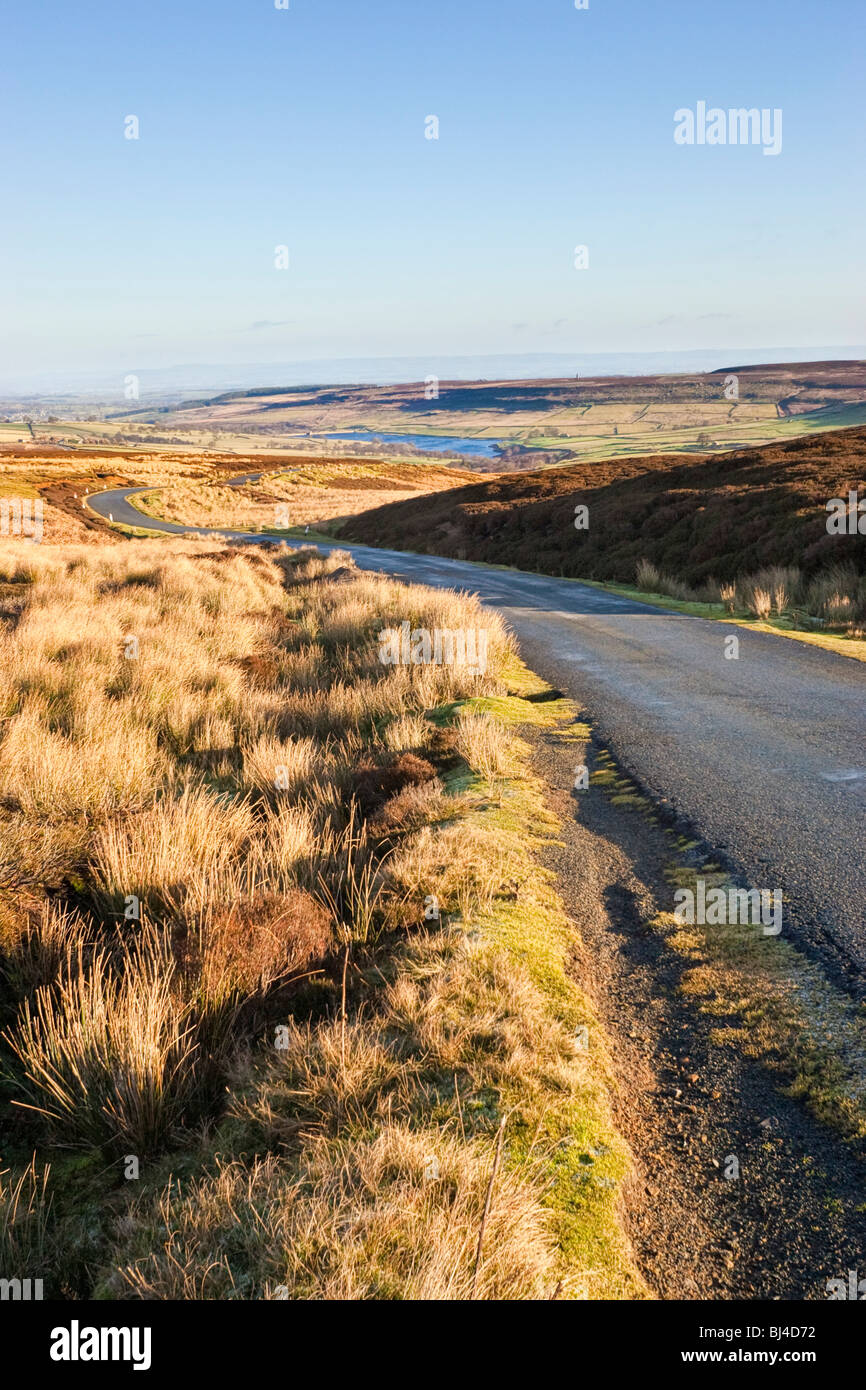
{"x": 561, "y": 421}
{"x": 731, "y": 435}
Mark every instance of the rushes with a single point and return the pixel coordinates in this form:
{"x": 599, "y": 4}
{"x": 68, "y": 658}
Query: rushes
{"x": 650, "y": 577}
{"x": 406, "y": 732}
{"x": 835, "y": 596}
{"x": 361, "y": 1196}
{"x": 34, "y": 950}
{"x": 768, "y": 591}
{"x": 483, "y": 742}
{"x": 24, "y": 1212}
{"x": 352, "y": 885}
{"x": 203, "y": 778}
{"x": 108, "y": 1054}
{"x": 839, "y": 597}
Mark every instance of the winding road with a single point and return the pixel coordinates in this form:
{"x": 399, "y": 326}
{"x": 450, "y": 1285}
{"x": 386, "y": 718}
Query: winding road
{"x": 764, "y": 755}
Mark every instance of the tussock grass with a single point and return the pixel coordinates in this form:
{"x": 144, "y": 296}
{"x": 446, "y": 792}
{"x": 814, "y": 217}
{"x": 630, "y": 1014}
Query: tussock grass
{"x": 24, "y": 1221}
{"x": 244, "y": 826}
{"x": 272, "y": 765}
{"x": 407, "y": 731}
{"x": 370, "y": 1222}
{"x": 834, "y": 598}
{"x": 460, "y": 864}
{"x": 107, "y": 1055}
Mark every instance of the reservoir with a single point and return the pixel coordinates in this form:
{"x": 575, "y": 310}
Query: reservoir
{"x": 430, "y": 443}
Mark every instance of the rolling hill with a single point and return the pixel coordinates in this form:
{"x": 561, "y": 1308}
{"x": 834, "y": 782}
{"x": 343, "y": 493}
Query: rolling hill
{"x": 719, "y": 515}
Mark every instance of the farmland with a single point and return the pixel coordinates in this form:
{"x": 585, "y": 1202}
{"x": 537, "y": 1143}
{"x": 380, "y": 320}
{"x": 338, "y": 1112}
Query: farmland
{"x": 531, "y": 424}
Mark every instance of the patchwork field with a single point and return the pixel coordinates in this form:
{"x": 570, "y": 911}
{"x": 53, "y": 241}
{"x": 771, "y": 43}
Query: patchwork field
{"x": 533, "y": 423}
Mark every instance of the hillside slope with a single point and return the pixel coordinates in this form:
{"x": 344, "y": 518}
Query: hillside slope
{"x": 715, "y": 516}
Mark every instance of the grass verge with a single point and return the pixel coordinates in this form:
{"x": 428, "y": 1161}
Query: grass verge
{"x": 841, "y": 643}
{"x": 283, "y": 986}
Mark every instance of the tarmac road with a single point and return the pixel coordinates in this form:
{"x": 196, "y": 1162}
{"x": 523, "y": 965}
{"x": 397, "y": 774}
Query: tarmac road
{"x": 765, "y": 755}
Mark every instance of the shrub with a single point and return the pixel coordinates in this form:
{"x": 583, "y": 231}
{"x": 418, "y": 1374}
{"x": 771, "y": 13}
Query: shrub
{"x": 245, "y": 948}
{"x": 372, "y": 785}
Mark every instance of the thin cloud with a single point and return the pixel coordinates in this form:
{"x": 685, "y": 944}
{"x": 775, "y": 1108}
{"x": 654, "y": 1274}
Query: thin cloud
{"x": 266, "y": 323}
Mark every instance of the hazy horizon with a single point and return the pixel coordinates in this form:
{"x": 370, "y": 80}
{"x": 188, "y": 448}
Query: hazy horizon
{"x": 181, "y": 379}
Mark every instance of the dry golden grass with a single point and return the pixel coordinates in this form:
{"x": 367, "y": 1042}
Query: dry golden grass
{"x": 368, "y": 1222}
{"x": 274, "y": 766}
{"x": 307, "y": 493}
{"x": 180, "y": 728}
{"x": 265, "y": 506}
{"x": 461, "y": 865}
{"x": 405, "y": 732}
{"x": 373, "y": 1202}
{"x": 484, "y": 744}
{"x": 109, "y": 1053}
{"x": 200, "y": 794}
{"x": 198, "y": 850}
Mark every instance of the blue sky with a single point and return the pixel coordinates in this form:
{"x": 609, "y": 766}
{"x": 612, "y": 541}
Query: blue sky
{"x": 305, "y": 127}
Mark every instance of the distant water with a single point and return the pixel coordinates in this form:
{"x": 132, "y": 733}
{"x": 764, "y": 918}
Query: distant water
{"x": 430, "y": 443}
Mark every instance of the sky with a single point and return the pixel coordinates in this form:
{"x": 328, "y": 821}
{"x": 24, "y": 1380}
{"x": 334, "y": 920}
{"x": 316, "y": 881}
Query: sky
{"x": 305, "y": 128}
